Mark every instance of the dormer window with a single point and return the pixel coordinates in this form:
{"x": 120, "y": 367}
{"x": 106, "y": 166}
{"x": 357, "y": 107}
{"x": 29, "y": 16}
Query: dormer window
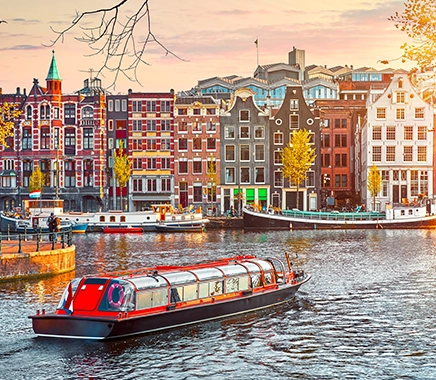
{"x": 400, "y": 97}
{"x": 244, "y": 115}
{"x": 293, "y": 104}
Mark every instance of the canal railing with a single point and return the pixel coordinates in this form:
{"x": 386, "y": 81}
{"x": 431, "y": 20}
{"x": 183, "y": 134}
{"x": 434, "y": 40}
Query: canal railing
{"x": 35, "y": 242}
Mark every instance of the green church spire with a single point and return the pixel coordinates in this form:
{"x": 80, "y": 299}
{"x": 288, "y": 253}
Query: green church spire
{"x": 53, "y": 73}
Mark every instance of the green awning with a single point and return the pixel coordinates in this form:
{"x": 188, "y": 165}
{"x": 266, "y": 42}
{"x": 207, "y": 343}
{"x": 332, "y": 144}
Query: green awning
{"x": 249, "y": 195}
{"x": 262, "y": 194}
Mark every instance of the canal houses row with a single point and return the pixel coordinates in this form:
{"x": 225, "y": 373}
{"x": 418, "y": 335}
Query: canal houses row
{"x": 219, "y": 146}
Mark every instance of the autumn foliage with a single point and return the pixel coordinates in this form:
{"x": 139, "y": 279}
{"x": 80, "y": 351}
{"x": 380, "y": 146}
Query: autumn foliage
{"x": 8, "y": 114}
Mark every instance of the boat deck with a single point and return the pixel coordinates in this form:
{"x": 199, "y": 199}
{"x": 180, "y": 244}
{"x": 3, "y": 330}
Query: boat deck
{"x": 334, "y": 215}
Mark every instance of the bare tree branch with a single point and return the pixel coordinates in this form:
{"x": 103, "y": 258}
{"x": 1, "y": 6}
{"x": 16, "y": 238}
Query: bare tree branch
{"x": 115, "y": 37}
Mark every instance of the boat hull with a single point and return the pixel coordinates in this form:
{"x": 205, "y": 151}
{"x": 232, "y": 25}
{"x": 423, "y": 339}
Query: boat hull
{"x": 70, "y": 326}
{"x": 254, "y": 220}
{"x": 122, "y": 230}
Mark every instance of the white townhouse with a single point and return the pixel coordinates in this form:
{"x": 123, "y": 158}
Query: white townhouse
{"x": 397, "y": 136}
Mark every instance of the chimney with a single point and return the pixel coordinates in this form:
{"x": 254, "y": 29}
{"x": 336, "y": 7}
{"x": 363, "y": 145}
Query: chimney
{"x": 18, "y": 90}
{"x": 1, "y": 91}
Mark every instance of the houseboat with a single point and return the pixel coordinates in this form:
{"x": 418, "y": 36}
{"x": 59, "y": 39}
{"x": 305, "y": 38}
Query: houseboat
{"x": 148, "y": 300}
{"x": 395, "y": 217}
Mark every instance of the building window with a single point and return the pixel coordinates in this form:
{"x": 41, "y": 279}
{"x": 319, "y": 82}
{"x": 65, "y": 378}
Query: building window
{"x": 259, "y": 151}
{"x": 88, "y": 138}
{"x": 117, "y": 105}
{"x": 137, "y": 125}
{"x": 196, "y": 166}
{"x": 196, "y": 143}
{"x": 325, "y": 160}
{"x": 380, "y": 113}
{"x": 165, "y": 125}
{"x": 183, "y": 165}
{"x": 293, "y": 104}
{"x": 376, "y": 153}
{"x": 377, "y": 132}
{"x": 390, "y": 132}
{"x": 259, "y": 174}
{"x": 210, "y": 126}
{"x": 165, "y": 185}
{"x": 44, "y": 112}
{"x": 259, "y": 132}
{"x": 400, "y": 114}
{"x": 422, "y": 153}
{"x": 278, "y": 138}
{"x": 165, "y": 144}
{"x": 70, "y": 141}
{"x": 182, "y": 111}
{"x": 152, "y": 185}
{"x": 399, "y": 97}
{"x": 408, "y": 153}
{"x": 230, "y": 152}
{"x": 87, "y": 113}
{"x": 344, "y": 180}
{"x": 196, "y": 111}
{"x": 244, "y": 115}
{"x": 110, "y": 105}
{"x": 341, "y": 160}
{"x": 137, "y": 163}
{"x": 70, "y": 113}
{"x": 244, "y": 131}
{"x": 183, "y": 126}
{"x": 340, "y": 123}
{"x": 151, "y": 125}
{"x": 70, "y": 173}
{"x": 229, "y": 132}
{"x": 124, "y": 105}
{"x": 29, "y": 111}
{"x": 340, "y": 141}
{"x": 423, "y": 182}
{"x": 136, "y": 106}
{"x": 211, "y": 143}
{"x": 278, "y": 179}
{"x": 422, "y": 132}
{"x": 230, "y": 175}
{"x": 278, "y": 157}
{"x": 419, "y": 113}
{"x": 211, "y": 165}
{"x": 390, "y": 153}
{"x": 196, "y": 126}
{"x": 244, "y": 152}
{"x": 408, "y": 132}
{"x": 151, "y": 144}
{"x": 165, "y": 163}
{"x": 293, "y": 121}
{"x": 137, "y": 185}
{"x": 151, "y": 105}
{"x": 198, "y": 192}
{"x": 183, "y": 144}
{"x": 45, "y": 137}
{"x": 325, "y": 140}
{"x": 165, "y": 106}
{"x": 151, "y": 163}
{"x": 245, "y": 175}
{"x": 210, "y": 111}
{"x": 137, "y": 144}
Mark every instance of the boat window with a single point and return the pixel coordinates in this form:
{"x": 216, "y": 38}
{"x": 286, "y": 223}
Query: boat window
{"x": 232, "y": 270}
{"x": 268, "y": 278}
{"x": 244, "y": 282}
{"x": 102, "y": 219}
{"x": 149, "y": 282}
{"x": 175, "y": 295}
{"x": 119, "y": 296}
{"x": 232, "y": 284}
{"x": 203, "y": 290}
{"x": 157, "y": 297}
{"x": 216, "y": 287}
{"x": 190, "y": 292}
{"x": 112, "y": 218}
{"x": 256, "y": 280}
{"x": 74, "y": 283}
{"x": 122, "y": 219}
{"x": 207, "y": 273}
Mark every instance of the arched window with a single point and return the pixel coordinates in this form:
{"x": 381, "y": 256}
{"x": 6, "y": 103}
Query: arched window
{"x": 87, "y": 113}
{"x": 29, "y": 110}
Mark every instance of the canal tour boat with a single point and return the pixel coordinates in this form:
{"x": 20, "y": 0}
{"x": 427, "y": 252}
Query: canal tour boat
{"x": 150, "y": 300}
{"x": 395, "y": 217}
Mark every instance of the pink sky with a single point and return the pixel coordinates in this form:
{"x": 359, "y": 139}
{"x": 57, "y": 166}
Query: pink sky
{"x": 213, "y": 38}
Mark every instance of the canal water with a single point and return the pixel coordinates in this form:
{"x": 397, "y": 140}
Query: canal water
{"x": 369, "y": 312}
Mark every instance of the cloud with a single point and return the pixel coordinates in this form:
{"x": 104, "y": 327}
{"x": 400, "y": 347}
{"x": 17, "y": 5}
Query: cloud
{"x": 22, "y": 47}
{"x": 25, "y": 21}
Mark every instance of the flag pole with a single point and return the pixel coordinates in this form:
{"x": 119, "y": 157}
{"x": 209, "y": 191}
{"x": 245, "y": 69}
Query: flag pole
{"x": 257, "y": 50}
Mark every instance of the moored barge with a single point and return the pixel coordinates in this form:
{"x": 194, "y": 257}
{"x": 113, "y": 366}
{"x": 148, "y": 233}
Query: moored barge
{"x": 148, "y": 300}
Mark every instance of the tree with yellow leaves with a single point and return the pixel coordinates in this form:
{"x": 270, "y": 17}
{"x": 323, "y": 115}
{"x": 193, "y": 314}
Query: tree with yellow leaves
{"x": 9, "y": 112}
{"x": 36, "y": 180}
{"x": 374, "y": 182}
{"x": 122, "y": 169}
{"x": 297, "y": 157}
{"x": 419, "y": 22}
